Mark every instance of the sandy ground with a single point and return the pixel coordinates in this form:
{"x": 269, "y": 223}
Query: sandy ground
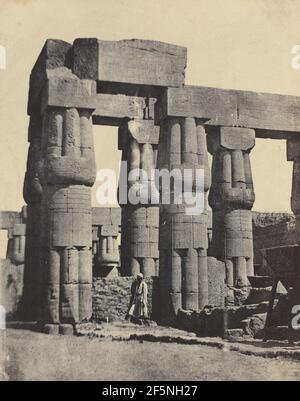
{"x": 35, "y": 356}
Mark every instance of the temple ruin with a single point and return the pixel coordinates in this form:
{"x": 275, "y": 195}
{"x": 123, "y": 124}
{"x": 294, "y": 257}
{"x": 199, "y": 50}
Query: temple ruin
{"x": 138, "y": 86}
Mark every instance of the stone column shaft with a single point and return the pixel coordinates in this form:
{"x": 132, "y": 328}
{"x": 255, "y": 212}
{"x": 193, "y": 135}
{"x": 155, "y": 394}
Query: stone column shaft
{"x": 67, "y": 173}
{"x": 183, "y": 234}
{"x": 138, "y": 140}
{"x": 108, "y": 256}
{"x": 16, "y": 244}
{"x": 293, "y": 154}
{"x": 231, "y": 198}
{"x": 31, "y": 302}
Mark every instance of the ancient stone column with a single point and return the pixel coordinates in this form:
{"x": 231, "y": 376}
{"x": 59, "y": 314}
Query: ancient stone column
{"x": 60, "y": 172}
{"x": 17, "y": 244}
{"x": 32, "y": 191}
{"x": 105, "y": 232}
{"x": 231, "y": 198}
{"x": 67, "y": 172}
{"x": 3, "y": 345}
{"x": 183, "y": 232}
{"x": 95, "y": 242}
{"x": 293, "y": 154}
{"x": 138, "y": 140}
{"x": 108, "y": 255}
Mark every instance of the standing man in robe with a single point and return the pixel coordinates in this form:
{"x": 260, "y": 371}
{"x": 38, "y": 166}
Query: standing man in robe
{"x": 138, "y": 306}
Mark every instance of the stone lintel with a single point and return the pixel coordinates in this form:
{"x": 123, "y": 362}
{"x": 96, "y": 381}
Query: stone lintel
{"x": 135, "y": 61}
{"x": 112, "y": 109}
{"x": 271, "y": 115}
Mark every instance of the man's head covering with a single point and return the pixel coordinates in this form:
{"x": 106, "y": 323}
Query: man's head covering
{"x": 140, "y": 276}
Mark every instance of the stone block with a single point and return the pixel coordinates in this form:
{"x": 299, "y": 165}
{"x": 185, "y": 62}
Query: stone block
{"x": 258, "y": 295}
{"x": 51, "y": 309}
{"x": 234, "y": 248}
{"x": 137, "y": 216}
{"x": 148, "y": 267}
{"x": 69, "y": 303}
{"x": 143, "y": 131}
{"x": 234, "y": 334}
{"x": 283, "y": 260}
{"x": 66, "y": 329}
{"x": 17, "y": 252}
{"x": 153, "y": 235}
{"x": 70, "y": 170}
{"x": 261, "y": 281}
{"x": 106, "y": 216}
{"x": 211, "y": 105}
{"x": 216, "y": 282}
{"x": 203, "y": 283}
{"x": 95, "y": 233}
{"x": 144, "y": 250}
{"x": 268, "y": 113}
{"x": 135, "y": 61}
{"x": 190, "y": 274}
{"x": 8, "y": 219}
{"x": 61, "y": 229}
{"x": 185, "y": 320}
{"x": 152, "y": 219}
{"x": 173, "y": 273}
{"x": 190, "y": 300}
{"x": 66, "y": 90}
{"x": 109, "y": 231}
{"x": 238, "y": 234}
{"x": 175, "y": 300}
{"x": 85, "y": 302}
{"x": 55, "y": 55}
{"x": 112, "y": 109}
{"x": 182, "y": 235}
{"x": 200, "y": 238}
{"x": 293, "y": 149}
{"x": 254, "y": 325}
{"x": 69, "y": 216}
{"x": 85, "y": 267}
{"x": 19, "y": 229}
{"x": 71, "y": 229}
{"x": 140, "y": 234}
{"x": 53, "y": 270}
{"x": 236, "y": 138}
{"x": 52, "y": 329}
{"x": 69, "y": 266}
{"x": 271, "y": 115}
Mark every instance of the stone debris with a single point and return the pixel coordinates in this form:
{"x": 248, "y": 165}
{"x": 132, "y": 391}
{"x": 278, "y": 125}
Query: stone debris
{"x": 235, "y": 340}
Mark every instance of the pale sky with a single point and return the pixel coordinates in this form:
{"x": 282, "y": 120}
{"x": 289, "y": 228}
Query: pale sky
{"x": 239, "y": 44}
